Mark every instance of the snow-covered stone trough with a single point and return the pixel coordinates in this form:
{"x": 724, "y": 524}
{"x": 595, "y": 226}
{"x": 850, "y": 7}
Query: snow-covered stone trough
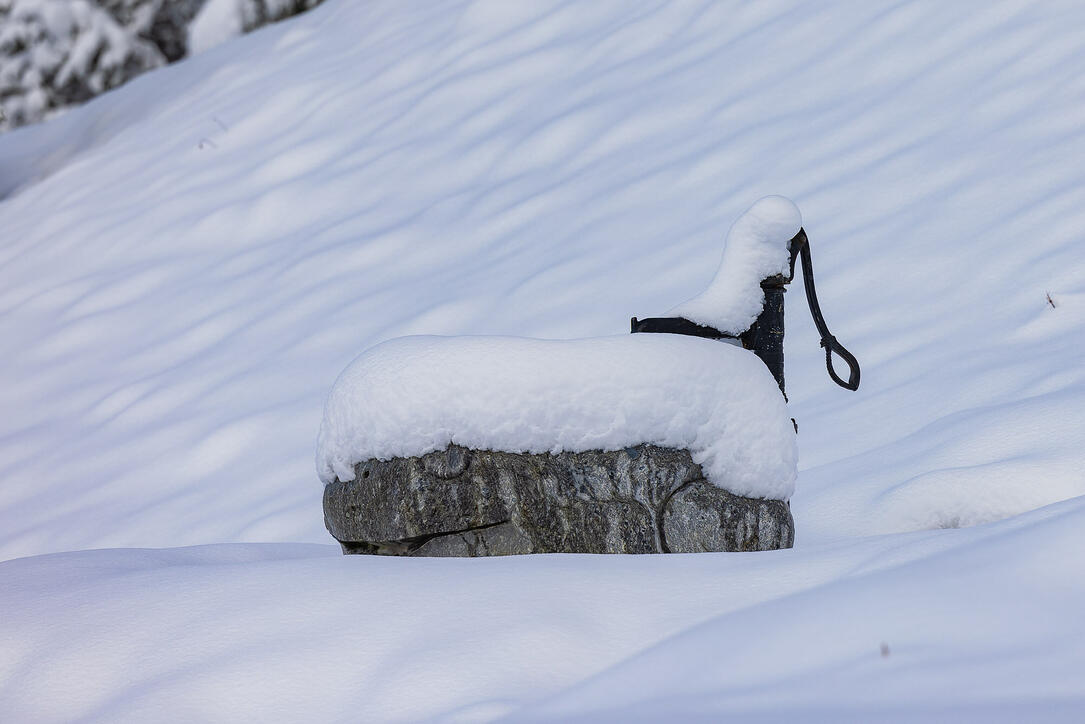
{"x": 512, "y": 445}
{"x": 626, "y": 444}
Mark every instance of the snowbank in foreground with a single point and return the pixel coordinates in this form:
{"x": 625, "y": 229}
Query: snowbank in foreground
{"x": 976, "y": 625}
{"x": 412, "y": 395}
{"x": 188, "y": 262}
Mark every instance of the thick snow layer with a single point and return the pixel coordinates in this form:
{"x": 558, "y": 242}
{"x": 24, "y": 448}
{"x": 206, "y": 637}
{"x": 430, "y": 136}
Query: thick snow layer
{"x": 756, "y": 249}
{"x": 975, "y": 625}
{"x": 188, "y": 262}
{"x": 412, "y": 395}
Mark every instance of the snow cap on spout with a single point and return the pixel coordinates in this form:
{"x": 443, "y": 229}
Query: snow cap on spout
{"x": 756, "y": 249}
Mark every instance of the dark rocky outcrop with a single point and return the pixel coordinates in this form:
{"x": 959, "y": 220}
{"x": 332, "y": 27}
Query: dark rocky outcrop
{"x": 459, "y": 502}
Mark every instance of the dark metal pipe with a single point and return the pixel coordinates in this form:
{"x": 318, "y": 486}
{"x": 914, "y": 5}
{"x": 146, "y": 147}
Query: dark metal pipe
{"x": 765, "y": 337}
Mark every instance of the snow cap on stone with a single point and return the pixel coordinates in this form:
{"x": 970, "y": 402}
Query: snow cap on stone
{"x": 412, "y": 395}
{"x": 756, "y": 248}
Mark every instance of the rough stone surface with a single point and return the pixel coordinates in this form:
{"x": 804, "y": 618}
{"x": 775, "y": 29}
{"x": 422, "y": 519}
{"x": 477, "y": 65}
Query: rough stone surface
{"x": 459, "y": 502}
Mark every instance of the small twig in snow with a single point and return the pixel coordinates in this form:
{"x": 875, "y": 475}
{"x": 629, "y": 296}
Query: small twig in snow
{"x": 1050, "y": 300}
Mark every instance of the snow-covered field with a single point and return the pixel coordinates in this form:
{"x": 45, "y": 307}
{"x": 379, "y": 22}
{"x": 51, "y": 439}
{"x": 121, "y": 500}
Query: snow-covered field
{"x": 188, "y": 262}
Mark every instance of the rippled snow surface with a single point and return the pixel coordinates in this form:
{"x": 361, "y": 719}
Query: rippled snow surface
{"x": 187, "y": 263}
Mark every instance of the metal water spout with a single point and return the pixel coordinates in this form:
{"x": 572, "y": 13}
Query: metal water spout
{"x": 765, "y": 337}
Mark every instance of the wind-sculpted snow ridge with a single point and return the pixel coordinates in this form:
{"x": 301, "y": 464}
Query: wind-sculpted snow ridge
{"x": 414, "y": 395}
